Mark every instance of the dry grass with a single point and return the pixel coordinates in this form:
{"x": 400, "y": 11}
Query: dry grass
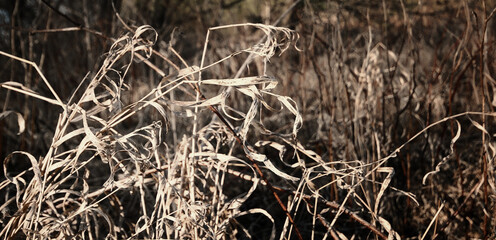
{"x": 349, "y": 126}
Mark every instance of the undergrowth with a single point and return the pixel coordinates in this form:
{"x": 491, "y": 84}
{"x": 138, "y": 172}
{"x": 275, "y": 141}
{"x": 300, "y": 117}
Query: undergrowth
{"x": 355, "y": 122}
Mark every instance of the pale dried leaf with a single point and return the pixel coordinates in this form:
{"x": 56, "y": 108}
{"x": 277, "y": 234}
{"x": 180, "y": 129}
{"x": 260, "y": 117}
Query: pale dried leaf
{"x": 20, "y": 120}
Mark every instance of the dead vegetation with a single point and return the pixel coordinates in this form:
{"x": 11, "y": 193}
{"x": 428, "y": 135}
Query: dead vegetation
{"x": 328, "y": 119}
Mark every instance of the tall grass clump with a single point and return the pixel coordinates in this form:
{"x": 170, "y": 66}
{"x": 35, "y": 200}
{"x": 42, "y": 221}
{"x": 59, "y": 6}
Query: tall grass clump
{"x": 110, "y": 172}
{"x": 101, "y": 178}
{"x": 358, "y": 120}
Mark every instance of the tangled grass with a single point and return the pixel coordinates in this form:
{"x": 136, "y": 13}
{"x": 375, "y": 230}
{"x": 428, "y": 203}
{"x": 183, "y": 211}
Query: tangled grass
{"x": 363, "y": 139}
{"x": 69, "y": 193}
